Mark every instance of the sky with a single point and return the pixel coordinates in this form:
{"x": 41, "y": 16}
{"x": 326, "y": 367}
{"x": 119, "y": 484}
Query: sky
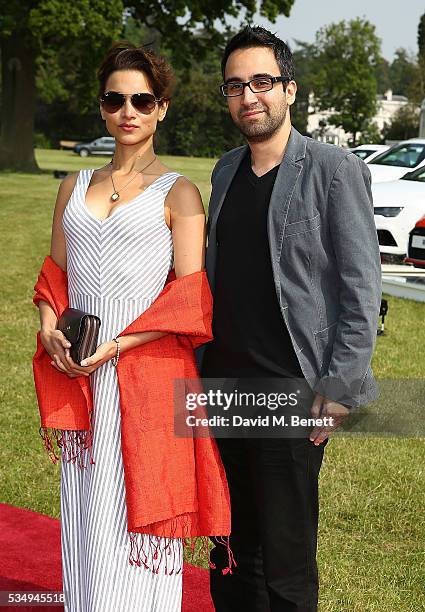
{"x": 396, "y": 21}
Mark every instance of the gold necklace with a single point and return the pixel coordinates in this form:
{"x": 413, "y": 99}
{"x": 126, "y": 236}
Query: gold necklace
{"x": 116, "y": 194}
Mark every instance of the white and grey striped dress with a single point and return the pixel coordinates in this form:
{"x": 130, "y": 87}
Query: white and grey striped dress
{"x": 116, "y": 268}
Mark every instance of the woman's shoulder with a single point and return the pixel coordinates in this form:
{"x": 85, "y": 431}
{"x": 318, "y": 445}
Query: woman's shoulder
{"x": 183, "y": 186}
{"x": 67, "y": 185}
{"x": 184, "y": 196}
{"x": 70, "y": 179}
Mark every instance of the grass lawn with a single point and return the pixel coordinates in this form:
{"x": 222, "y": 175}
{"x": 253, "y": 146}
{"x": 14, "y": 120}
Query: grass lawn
{"x": 372, "y": 532}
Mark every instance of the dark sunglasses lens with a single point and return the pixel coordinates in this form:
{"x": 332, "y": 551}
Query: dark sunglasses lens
{"x": 112, "y": 102}
{"x": 143, "y": 102}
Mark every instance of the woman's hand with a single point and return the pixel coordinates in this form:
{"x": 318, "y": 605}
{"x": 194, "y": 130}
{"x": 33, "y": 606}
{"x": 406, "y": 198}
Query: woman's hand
{"x": 58, "y": 347}
{"x": 104, "y": 353}
{"x": 107, "y": 350}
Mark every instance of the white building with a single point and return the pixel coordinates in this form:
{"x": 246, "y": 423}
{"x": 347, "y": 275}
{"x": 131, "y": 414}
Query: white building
{"x": 318, "y": 126}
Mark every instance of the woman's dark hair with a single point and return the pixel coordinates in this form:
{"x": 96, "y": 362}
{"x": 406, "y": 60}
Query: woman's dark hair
{"x": 124, "y": 55}
{"x": 260, "y": 37}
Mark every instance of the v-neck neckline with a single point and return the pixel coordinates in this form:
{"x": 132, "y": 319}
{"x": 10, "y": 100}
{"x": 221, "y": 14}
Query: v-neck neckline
{"x": 115, "y": 208}
{"x": 258, "y": 180}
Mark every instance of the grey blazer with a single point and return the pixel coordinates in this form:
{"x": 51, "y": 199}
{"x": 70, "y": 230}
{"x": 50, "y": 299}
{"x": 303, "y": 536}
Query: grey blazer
{"x": 325, "y": 258}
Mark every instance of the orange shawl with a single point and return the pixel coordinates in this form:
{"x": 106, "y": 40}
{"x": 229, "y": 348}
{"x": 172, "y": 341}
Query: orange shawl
{"x": 175, "y": 487}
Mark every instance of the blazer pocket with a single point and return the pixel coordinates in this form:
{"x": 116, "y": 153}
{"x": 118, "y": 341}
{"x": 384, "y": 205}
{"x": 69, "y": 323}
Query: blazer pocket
{"x": 301, "y": 227}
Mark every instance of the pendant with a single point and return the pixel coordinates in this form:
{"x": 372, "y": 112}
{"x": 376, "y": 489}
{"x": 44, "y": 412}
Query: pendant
{"x": 115, "y": 196}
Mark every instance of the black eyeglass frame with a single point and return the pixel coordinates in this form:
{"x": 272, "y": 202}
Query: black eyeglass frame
{"x": 278, "y": 79}
{"x": 146, "y": 94}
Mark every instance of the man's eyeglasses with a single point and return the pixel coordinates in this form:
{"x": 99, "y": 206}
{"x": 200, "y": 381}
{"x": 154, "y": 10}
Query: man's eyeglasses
{"x": 144, "y": 103}
{"x": 258, "y": 85}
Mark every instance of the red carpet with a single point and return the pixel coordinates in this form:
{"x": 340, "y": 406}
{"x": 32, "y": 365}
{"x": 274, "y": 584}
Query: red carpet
{"x": 30, "y": 560}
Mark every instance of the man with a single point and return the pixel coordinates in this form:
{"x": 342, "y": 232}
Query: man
{"x": 293, "y": 261}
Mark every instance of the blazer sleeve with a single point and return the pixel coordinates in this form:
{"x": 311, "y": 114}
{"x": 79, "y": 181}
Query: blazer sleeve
{"x": 355, "y": 243}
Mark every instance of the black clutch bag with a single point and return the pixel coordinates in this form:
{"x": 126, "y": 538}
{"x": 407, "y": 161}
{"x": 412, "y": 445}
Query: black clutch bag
{"x": 82, "y": 331}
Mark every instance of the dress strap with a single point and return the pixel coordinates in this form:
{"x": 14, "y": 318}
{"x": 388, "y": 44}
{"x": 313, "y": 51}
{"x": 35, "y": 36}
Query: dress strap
{"x": 84, "y": 176}
{"x": 78, "y": 195}
{"x": 166, "y": 181}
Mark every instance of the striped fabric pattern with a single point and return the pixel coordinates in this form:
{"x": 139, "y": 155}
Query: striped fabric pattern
{"x": 116, "y": 268}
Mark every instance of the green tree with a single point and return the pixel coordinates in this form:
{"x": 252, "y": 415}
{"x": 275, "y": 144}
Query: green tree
{"x": 63, "y": 39}
{"x": 382, "y": 75}
{"x": 66, "y": 40}
{"x": 421, "y": 54}
{"x": 370, "y": 134}
{"x": 405, "y": 75}
{"x": 346, "y": 57}
{"x": 180, "y": 21}
{"x": 304, "y": 75}
{"x": 404, "y": 124}
{"x": 198, "y": 122}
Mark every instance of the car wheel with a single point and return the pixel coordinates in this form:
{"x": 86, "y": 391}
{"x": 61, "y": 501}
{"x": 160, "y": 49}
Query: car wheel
{"x": 84, "y": 152}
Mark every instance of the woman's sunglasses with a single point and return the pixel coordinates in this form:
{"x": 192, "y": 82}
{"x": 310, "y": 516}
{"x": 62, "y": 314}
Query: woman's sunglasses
{"x": 144, "y": 103}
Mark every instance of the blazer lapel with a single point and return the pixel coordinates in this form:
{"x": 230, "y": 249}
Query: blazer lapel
{"x": 288, "y": 173}
{"x": 219, "y": 192}
{"x": 222, "y": 184}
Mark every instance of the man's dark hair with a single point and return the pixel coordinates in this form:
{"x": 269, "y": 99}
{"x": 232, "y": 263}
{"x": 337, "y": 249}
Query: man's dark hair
{"x": 260, "y": 37}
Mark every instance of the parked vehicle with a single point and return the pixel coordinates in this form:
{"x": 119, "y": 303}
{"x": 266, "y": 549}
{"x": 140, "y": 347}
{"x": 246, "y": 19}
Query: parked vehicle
{"x": 416, "y": 248}
{"x": 403, "y": 157}
{"x": 367, "y": 152}
{"x": 397, "y": 206}
{"x": 100, "y": 146}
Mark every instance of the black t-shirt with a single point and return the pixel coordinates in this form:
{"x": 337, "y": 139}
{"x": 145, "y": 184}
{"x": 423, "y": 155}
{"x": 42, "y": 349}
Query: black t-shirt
{"x": 250, "y": 335}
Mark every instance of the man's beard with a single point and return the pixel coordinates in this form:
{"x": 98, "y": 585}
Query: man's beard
{"x": 264, "y": 129}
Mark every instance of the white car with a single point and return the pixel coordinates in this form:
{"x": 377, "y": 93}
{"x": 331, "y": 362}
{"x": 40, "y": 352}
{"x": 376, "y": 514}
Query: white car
{"x": 397, "y": 206}
{"x": 367, "y": 152}
{"x": 403, "y": 157}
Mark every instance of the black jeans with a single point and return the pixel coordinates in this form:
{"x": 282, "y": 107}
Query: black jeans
{"x": 274, "y": 495}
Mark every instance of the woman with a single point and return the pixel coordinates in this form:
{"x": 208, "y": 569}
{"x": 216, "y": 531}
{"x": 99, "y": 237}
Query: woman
{"x": 116, "y": 233}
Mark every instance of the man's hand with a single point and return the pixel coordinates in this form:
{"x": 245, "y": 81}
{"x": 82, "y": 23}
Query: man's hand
{"x": 324, "y": 407}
